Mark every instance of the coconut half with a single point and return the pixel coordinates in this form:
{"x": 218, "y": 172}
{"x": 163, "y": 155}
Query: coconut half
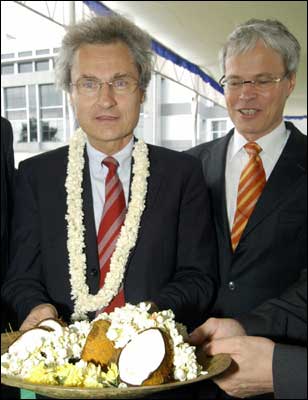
{"x": 29, "y": 340}
{"x": 147, "y": 359}
{"x": 52, "y": 323}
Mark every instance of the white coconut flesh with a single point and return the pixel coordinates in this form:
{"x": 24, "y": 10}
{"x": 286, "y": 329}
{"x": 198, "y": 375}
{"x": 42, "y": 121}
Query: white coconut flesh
{"x": 29, "y": 340}
{"x": 53, "y": 324}
{"x": 142, "y": 356}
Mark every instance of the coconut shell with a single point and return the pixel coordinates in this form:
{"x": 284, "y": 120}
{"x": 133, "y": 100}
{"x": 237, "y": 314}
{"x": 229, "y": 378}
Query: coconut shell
{"x": 164, "y": 372}
{"x": 98, "y": 348}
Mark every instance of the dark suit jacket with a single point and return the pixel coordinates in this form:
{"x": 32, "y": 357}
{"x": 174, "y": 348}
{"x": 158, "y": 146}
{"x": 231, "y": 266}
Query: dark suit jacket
{"x": 272, "y": 249}
{"x": 172, "y": 264}
{"x": 7, "y": 185}
{"x": 281, "y": 318}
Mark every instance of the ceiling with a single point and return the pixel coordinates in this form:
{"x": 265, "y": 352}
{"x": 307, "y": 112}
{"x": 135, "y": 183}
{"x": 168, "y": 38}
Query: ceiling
{"x": 196, "y": 30}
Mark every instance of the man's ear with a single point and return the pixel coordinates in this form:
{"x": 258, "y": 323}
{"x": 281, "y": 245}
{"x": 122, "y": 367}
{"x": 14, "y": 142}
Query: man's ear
{"x": 292, "y": 82}
{"x": 71, "y": 101}
{"x": 142, "y": 100}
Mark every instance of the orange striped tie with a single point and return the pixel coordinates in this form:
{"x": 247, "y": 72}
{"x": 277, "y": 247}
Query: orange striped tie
{"x": 252, "y": 182}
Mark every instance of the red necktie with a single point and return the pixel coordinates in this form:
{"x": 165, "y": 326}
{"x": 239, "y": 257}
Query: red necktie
{"x": 252, "y": 182}
{"x": 110, "y": 227}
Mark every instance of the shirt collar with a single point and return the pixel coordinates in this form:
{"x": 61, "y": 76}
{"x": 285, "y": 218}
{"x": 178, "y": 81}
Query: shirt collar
{"x": 271, "y": 143}
{"x": 96, "y": 157}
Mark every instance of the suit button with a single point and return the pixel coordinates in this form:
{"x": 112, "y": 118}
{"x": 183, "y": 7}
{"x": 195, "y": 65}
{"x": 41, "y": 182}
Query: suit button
{"x": 231, "y": 285}
{"x": 93, "y": 272}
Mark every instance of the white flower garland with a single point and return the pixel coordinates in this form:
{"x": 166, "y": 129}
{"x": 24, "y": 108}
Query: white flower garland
{"x": 83, "y": 300}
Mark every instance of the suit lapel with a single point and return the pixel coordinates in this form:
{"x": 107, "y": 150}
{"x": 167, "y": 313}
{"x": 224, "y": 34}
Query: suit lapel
{"x": 90, "y": 231}
{"x": 4, "y": 180}
{"x": 154, "y": 183}
{"x": 155, "y": 179}
{"x": 285, "y": 175}
{"x": 216, "y": 179}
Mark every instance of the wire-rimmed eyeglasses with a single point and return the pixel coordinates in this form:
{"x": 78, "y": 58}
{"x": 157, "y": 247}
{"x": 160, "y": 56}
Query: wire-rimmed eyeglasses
{"x": 262, "y": 83}
{"x": 92, "y": 86}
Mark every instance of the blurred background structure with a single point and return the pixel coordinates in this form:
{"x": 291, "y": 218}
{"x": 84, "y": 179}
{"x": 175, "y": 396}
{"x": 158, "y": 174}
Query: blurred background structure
{"x": 185, "y": 105}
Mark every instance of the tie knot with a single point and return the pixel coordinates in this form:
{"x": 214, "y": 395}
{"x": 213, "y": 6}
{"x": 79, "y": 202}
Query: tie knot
{"x": 111, "y": 163}
{"x": 253, "y": 149}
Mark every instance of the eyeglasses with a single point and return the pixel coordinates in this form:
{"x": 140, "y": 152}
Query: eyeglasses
{"x": 92, "y": 86}
{"x": 261, "y": 84}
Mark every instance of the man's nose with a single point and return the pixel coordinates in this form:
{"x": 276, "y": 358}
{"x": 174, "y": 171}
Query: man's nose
{"x": 248, "y": 90}
{"x": 105, "y": 96}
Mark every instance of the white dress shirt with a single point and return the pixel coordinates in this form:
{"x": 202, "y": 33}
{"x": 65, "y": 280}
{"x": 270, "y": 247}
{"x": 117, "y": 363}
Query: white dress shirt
{"x": 98, "y": 174}
{"x": 272, "y": 145}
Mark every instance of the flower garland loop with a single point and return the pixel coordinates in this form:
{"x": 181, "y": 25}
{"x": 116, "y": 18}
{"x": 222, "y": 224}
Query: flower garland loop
{"x": 83, "y": 300}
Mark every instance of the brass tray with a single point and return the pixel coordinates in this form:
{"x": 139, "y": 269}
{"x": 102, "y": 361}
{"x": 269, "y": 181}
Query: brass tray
{"x": 214, "y": 365}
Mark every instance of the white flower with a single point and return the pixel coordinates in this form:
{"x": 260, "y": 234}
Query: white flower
{"x": 128, "y": 321}
{"x": 56, "y": 349}
{"x": 125, "y": 323}
{"x": 83, "y": 300}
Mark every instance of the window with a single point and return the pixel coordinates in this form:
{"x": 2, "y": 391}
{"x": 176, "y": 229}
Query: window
{"x": 16, "y": 114}
{"x": 41, "y": 52}
{"x": 36, "y": 113}
{"x": 218, "y": 128}
{"x": 33, "y": 113}
{"x": 25, "y": 54}
{"x": 49, "y": 96}
{"x": 52, "y": 131}
{"x": 51, "y": 113}
{"x": 15, "y": 97}
{"x": 16, "y": 111}
{"x": 42, "y": 65}
{"x": 7, "y": 69}
{"x": 213, "y": 121}
{"x": 7, "y": 55}
{"x": 25, "y": 67}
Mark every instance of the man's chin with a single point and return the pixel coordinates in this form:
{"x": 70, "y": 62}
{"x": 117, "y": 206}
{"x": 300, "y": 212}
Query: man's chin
{"x": 248, "y": 128}
{"x": 109, "y": 142}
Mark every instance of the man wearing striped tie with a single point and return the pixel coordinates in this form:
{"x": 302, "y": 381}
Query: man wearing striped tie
{"x": 256, "y": 174}
{"x": 110, "y": 219}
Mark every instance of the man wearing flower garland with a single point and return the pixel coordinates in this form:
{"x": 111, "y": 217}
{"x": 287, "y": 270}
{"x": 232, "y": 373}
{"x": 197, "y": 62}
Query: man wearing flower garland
{"x": 165, "y": 252}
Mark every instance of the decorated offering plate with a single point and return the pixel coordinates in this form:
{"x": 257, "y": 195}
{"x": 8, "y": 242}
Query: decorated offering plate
{"x": 129, "y": 353}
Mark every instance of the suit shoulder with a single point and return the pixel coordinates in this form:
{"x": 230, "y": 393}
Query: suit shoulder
{"x": 204, "y": 148}
{"x": 302, "y": 138}
{"x": 51, "y": 163}
{"x": 293, "y": 129}
{"x": 6, "y": 125}
{"x": 6, "y": 133}
{"x": 52, "y": 156}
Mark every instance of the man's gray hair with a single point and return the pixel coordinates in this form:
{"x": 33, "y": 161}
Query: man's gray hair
{"x": 104, "y": 30}
{"x": 272, "y": 33}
